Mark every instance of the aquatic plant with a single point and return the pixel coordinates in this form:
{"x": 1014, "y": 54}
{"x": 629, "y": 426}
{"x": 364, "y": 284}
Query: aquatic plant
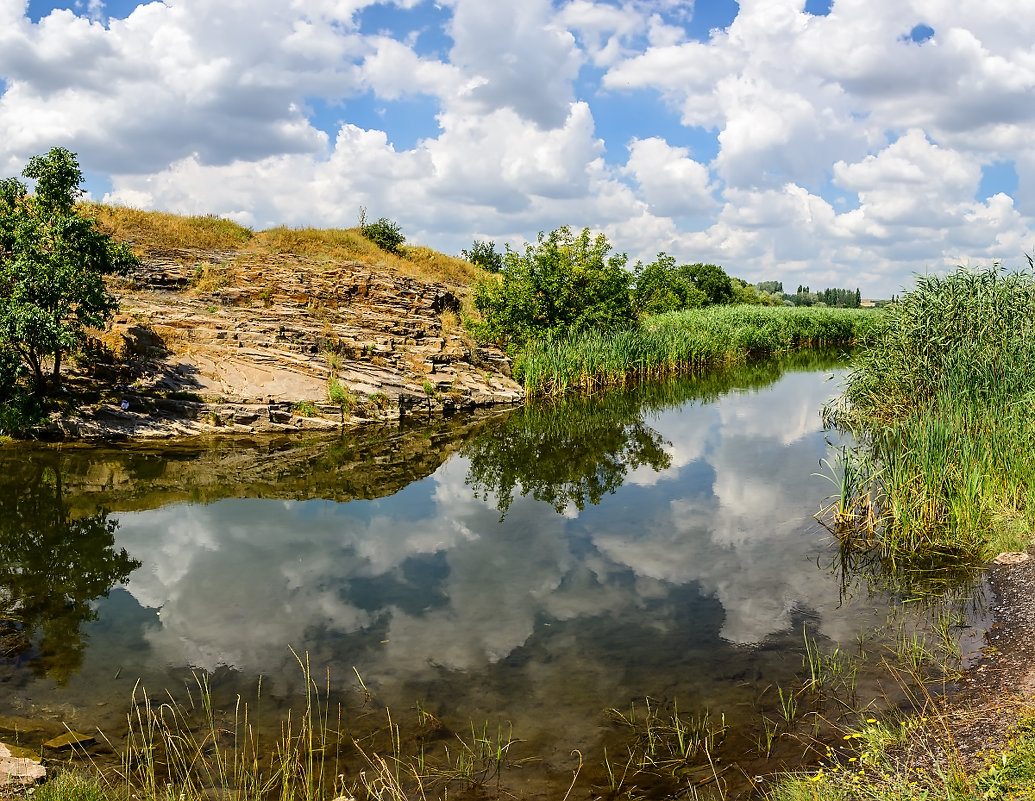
{"x": 676, "y": 342}
{"x": 940, "y": 402}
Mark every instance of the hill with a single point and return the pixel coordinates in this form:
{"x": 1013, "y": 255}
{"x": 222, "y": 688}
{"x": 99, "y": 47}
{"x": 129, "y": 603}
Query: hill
{"x": 224, "y": 330}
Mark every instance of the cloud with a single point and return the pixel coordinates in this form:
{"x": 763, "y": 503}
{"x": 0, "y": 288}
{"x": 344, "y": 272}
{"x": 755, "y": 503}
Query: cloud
{"x": 213, "y": 106}
{"x": 672, "y": 183}
{"x": 520, "y": 57}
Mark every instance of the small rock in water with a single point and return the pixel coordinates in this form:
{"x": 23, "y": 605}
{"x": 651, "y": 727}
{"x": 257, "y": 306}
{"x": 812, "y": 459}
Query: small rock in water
{"x": 68, "y": 740}
{"x": 19, "y": 771}
{"x": 1011, "y": 558}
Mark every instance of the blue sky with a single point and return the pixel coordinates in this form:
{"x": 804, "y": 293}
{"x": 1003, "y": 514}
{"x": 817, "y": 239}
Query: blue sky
{"x": 820, "y": 142}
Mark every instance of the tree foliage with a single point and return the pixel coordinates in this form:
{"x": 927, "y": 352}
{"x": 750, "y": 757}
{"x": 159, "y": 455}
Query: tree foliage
{"x": 661, "y": 286}
{"x": 485, "y": 255}
{"x": 712, "y": 280}
{"x": 52, "y": 266}
{"x": 564, "y": 282}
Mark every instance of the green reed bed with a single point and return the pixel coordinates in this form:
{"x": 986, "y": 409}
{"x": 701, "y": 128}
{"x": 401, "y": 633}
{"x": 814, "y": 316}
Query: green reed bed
{"x": 674, "y": 342}
{"x": 942, "y": 402}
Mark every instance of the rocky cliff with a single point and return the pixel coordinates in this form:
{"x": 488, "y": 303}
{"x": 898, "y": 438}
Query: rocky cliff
{"x": 211, "y": 341}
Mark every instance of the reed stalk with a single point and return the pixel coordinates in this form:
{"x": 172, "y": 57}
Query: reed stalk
{"x": 677, "y": 342}
{"x": 941, "y": 402}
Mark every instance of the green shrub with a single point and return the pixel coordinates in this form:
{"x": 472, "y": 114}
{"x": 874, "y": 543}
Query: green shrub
{"x": 305, "y": 409}
{"x": 340, "y": 395}
{"x": 386, "y": 234}
{"x": 563, "y": 283}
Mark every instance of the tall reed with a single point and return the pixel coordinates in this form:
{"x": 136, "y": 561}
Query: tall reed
{"x": 675, "y": 342}
{"x": 941, "y": 400}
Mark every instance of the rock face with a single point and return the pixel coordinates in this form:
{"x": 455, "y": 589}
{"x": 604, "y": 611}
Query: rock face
{"x": 230, "y": 341}
{"x": 18, "y": 771}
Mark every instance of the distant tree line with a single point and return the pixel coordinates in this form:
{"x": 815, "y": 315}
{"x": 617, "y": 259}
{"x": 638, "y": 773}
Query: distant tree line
{"x": 842, "y": 298}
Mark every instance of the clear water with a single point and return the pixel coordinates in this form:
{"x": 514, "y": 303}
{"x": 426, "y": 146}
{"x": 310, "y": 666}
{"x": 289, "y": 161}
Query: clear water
{"x": 532, "y": 569}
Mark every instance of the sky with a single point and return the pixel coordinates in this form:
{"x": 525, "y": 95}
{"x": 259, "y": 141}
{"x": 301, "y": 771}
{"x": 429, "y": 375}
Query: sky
{"x": 828, "y": 143}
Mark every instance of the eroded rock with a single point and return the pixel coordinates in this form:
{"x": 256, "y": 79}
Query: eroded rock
{"x": 261, "y": 349}
{"x": 18, "y": 771}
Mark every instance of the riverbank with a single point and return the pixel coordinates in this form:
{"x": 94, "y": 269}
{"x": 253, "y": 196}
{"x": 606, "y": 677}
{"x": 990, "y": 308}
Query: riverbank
{"x": 977, "y": 742}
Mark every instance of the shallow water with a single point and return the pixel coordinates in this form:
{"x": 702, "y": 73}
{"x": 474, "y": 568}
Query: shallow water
{"x": 532, "y": 570}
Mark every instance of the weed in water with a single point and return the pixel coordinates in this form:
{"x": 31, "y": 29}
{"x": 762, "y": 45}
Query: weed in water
{"x": 788, "y": 705}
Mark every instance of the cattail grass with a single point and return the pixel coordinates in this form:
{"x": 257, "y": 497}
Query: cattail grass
{"x": 677, "y": 342}
{"x": 941, "y": 399}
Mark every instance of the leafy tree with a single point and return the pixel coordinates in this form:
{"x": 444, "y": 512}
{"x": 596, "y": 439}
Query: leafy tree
{"x": 565, "y": 282}
{"x": 770, "y": 286}
{"x": 748, "y": 294}
{"x": 484, "y": 254}
{"x": 848, "y": 298}
{"x": 712, "y": 281}
{"x": 661, "y": 286}
{"x": 385, "y": 233}
{"x": 52, "y": 266}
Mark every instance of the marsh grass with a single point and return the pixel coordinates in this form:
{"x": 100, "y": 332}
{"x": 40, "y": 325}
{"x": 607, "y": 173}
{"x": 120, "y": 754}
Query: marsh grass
{"x": 669, "y": 752}
{"x": 942, "y": 403}
{"x": 676, "y": 342}
{"x": 191, "y": 749}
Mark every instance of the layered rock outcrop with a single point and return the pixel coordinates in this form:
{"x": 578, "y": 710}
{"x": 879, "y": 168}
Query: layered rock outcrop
{"x": 233, "y": 341}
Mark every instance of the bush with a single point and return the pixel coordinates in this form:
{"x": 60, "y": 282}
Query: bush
{"x": 385, "y": 233}
{"x": 563, "y": 283}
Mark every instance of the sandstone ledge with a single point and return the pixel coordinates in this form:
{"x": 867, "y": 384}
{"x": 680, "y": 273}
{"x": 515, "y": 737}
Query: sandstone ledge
{"x": 233, "y": 342}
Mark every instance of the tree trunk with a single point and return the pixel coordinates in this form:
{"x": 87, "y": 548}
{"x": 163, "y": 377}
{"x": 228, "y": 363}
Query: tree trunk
{"x": 39, "y": 381}
{"x": 56, "y": 376}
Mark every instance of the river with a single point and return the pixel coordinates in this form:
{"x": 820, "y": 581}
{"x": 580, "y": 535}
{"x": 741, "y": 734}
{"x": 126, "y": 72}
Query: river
{"x": 544, "y": 574}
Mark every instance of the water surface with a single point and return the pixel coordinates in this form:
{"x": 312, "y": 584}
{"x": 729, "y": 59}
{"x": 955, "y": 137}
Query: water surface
{"x": 532, "y": 569}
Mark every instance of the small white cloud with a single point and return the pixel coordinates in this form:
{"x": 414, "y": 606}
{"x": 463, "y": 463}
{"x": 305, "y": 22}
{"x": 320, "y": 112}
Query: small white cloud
{"x": 672, "y": 183}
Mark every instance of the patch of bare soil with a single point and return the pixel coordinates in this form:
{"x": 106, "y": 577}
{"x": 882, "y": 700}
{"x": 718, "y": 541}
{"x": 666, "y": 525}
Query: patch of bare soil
{"x": 995, "y": 691}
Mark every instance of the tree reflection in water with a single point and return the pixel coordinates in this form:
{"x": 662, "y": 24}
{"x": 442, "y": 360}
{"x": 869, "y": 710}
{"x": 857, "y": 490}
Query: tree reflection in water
{"x": 51, "y": 568}
{"x": 577, "y": 449}
{"x": 573, "y": 451}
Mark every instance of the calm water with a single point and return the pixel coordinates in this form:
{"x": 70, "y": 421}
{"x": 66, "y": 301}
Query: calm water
{"x": 534, "y": 568}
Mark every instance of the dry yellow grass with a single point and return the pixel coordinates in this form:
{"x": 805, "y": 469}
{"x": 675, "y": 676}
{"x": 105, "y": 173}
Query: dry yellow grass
{"x": 348, "y": 244}
{"x": 156, "y": 230}
{"x": 149, "y": 231}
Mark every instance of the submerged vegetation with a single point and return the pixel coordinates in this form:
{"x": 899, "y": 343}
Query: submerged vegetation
{"x": 940, "y": 400}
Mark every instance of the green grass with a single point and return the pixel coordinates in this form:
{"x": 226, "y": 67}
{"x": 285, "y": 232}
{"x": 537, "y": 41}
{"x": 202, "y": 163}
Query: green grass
{"x": 675, "y": 342}
{"x": 305, "y": 409}
{"x": 941, "y": 400}
{"x": 73, "y": 786}
{"x": 916, "y": 759}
